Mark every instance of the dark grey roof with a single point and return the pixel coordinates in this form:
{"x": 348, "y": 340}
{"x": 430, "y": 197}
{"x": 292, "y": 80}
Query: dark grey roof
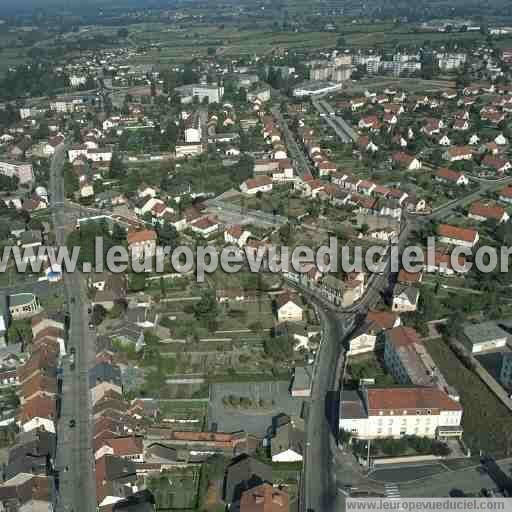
{"x": 30, "y": 237}
{"x": 243, "y": 474}
{"x": 302, "y": 378}
{"x": 117, "y": 468}
{"x": 287, "y": 437}
{"x": 352, "y": 405}
{"x": 104, "y": 372}
{"x": 32, "y": 454}
{"x": 158, "y": 452}
{"x": 484, "y": 332}
{"x": 141, "y": 501}
{"x": 410, "y": 292}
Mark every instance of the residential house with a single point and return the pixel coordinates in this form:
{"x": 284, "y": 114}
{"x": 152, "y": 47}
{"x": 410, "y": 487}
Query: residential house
{"x": 127, "y": 447}
{"x": 482, "y": 212}
{"x": 26, "y": 492}
{"x": 205, "y": 226}
{"x": 405, "y": 298}
{"x": 451, "y": 177}
{"x": 498, "y": 165}
{"x": 377, "y": 322}
{"x": 288, "y": 308}
{"x": 142, "y": 244}
{"x": 406, "y": 161}
{"x": 244, "y": 474}
{"x": 236, "y": 235}
{"x": 288, "y": 442}
{"x": 259, "y": 184}
{"x": 454, "y": 235}
{"x": 457, "y": 153}
{"x": 264, "y": 498}
{"x": 505, "y": 195}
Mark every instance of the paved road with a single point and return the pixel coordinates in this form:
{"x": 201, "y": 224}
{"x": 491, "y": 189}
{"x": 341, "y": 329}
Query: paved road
{"x": 342, "y": 129}
{"x": 75, "y": 460}
{"x": 485, "y": 187}
{"x": 303, "y": 165}
{"x": 232, "y": 213}
{"x": 319, "y": 481}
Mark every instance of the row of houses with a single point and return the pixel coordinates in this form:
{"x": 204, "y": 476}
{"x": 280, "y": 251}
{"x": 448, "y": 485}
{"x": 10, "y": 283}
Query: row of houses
{"x": 29, "y": 479}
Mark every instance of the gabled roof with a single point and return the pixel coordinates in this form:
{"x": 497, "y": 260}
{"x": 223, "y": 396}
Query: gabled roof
{"x": 449, "y": 174}
{"x": 144, "y": 235}
{"x": 382, "y": 319}
{"x": 457, "y": 233}
{"x": 489, "y": 212}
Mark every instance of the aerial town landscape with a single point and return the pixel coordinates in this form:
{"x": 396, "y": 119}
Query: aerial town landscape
{"x": 248, "y": 127}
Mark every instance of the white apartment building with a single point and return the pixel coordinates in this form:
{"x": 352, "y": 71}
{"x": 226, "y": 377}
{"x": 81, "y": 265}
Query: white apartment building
{"x": 450, "y": 61}
{"x": 77, "y": 80}
{"x": 214, "y": 93}
{"x": 193, "y": 129}
{"x": 372, "y": 413}
{"x": 22, "y": 171}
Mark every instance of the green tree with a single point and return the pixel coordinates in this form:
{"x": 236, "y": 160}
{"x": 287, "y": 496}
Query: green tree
{"x": 206, "y": 309}
{"x": 99, "y": 314}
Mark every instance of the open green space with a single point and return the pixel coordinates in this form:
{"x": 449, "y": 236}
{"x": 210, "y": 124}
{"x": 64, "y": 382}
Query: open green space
{"x": 176, "y": 489}
{"x": 486, "y": 420}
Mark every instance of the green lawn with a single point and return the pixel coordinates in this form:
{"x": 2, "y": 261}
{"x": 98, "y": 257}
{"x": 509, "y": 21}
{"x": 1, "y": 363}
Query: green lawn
{"x": 486, "y": 420}
{"x": 366, "y": 366}
{"x": 176, "y": 489}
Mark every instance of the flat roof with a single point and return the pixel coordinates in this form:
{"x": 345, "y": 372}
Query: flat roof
{"x": 483, "y": 332}
{"x": 19, "y": 299}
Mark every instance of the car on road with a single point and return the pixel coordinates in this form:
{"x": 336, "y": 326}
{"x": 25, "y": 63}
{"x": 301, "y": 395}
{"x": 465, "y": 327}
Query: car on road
{"x": 72, "y": 423}
{"x": 72, "y": 351}
{"x": 91, "y": 325}
{"x": 72, "y": 300}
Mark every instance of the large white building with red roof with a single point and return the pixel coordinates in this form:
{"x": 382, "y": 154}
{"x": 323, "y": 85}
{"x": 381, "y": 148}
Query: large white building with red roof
{"x": 395, "y": 412}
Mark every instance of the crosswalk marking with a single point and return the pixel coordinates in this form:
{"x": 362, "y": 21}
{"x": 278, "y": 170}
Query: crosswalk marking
{"x": 392, "y": 491}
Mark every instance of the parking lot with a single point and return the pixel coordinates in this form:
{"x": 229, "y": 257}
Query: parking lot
{"x": 274, "y": 395}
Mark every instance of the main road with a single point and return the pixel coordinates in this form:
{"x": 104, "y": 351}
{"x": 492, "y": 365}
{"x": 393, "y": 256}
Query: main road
{"x": 75, "y": 458}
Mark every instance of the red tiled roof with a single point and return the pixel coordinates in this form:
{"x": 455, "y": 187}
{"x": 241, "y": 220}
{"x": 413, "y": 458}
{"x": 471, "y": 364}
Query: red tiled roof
{"x": 384, "y": 319}
{"x": 460, "y": 151}
{"x": 260, "y": 181}
{"x": 123, "y": 446}
{"x": 506, "y": 192}
{"x": 448, "y": 174}
{"x": 489, "y": 212}
{"x": 38, "y": 383}
{"x": 38, "y": 407}
{"x": 403, "y": 336}
{"x": 456, "y": 233}
{"x": 408, "y": 277}
{"x": 410, "y": 399}
{"x": 264, "y": 498}
{"x": 403, "y": 158}
{"x": 494, "y": 163}
{"x": 144, "y": 235}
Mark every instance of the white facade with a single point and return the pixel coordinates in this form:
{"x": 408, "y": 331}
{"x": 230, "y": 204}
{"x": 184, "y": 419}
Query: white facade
{"x": 214, "y": 93}
{"x": 22, "y": 171}
{"x": 405, "y": 411}
{"x": 362, "y": 344}
{"x": 287, "y": 456}
{"x": 38, "y": 424}
{"x": 289, "y": 312}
